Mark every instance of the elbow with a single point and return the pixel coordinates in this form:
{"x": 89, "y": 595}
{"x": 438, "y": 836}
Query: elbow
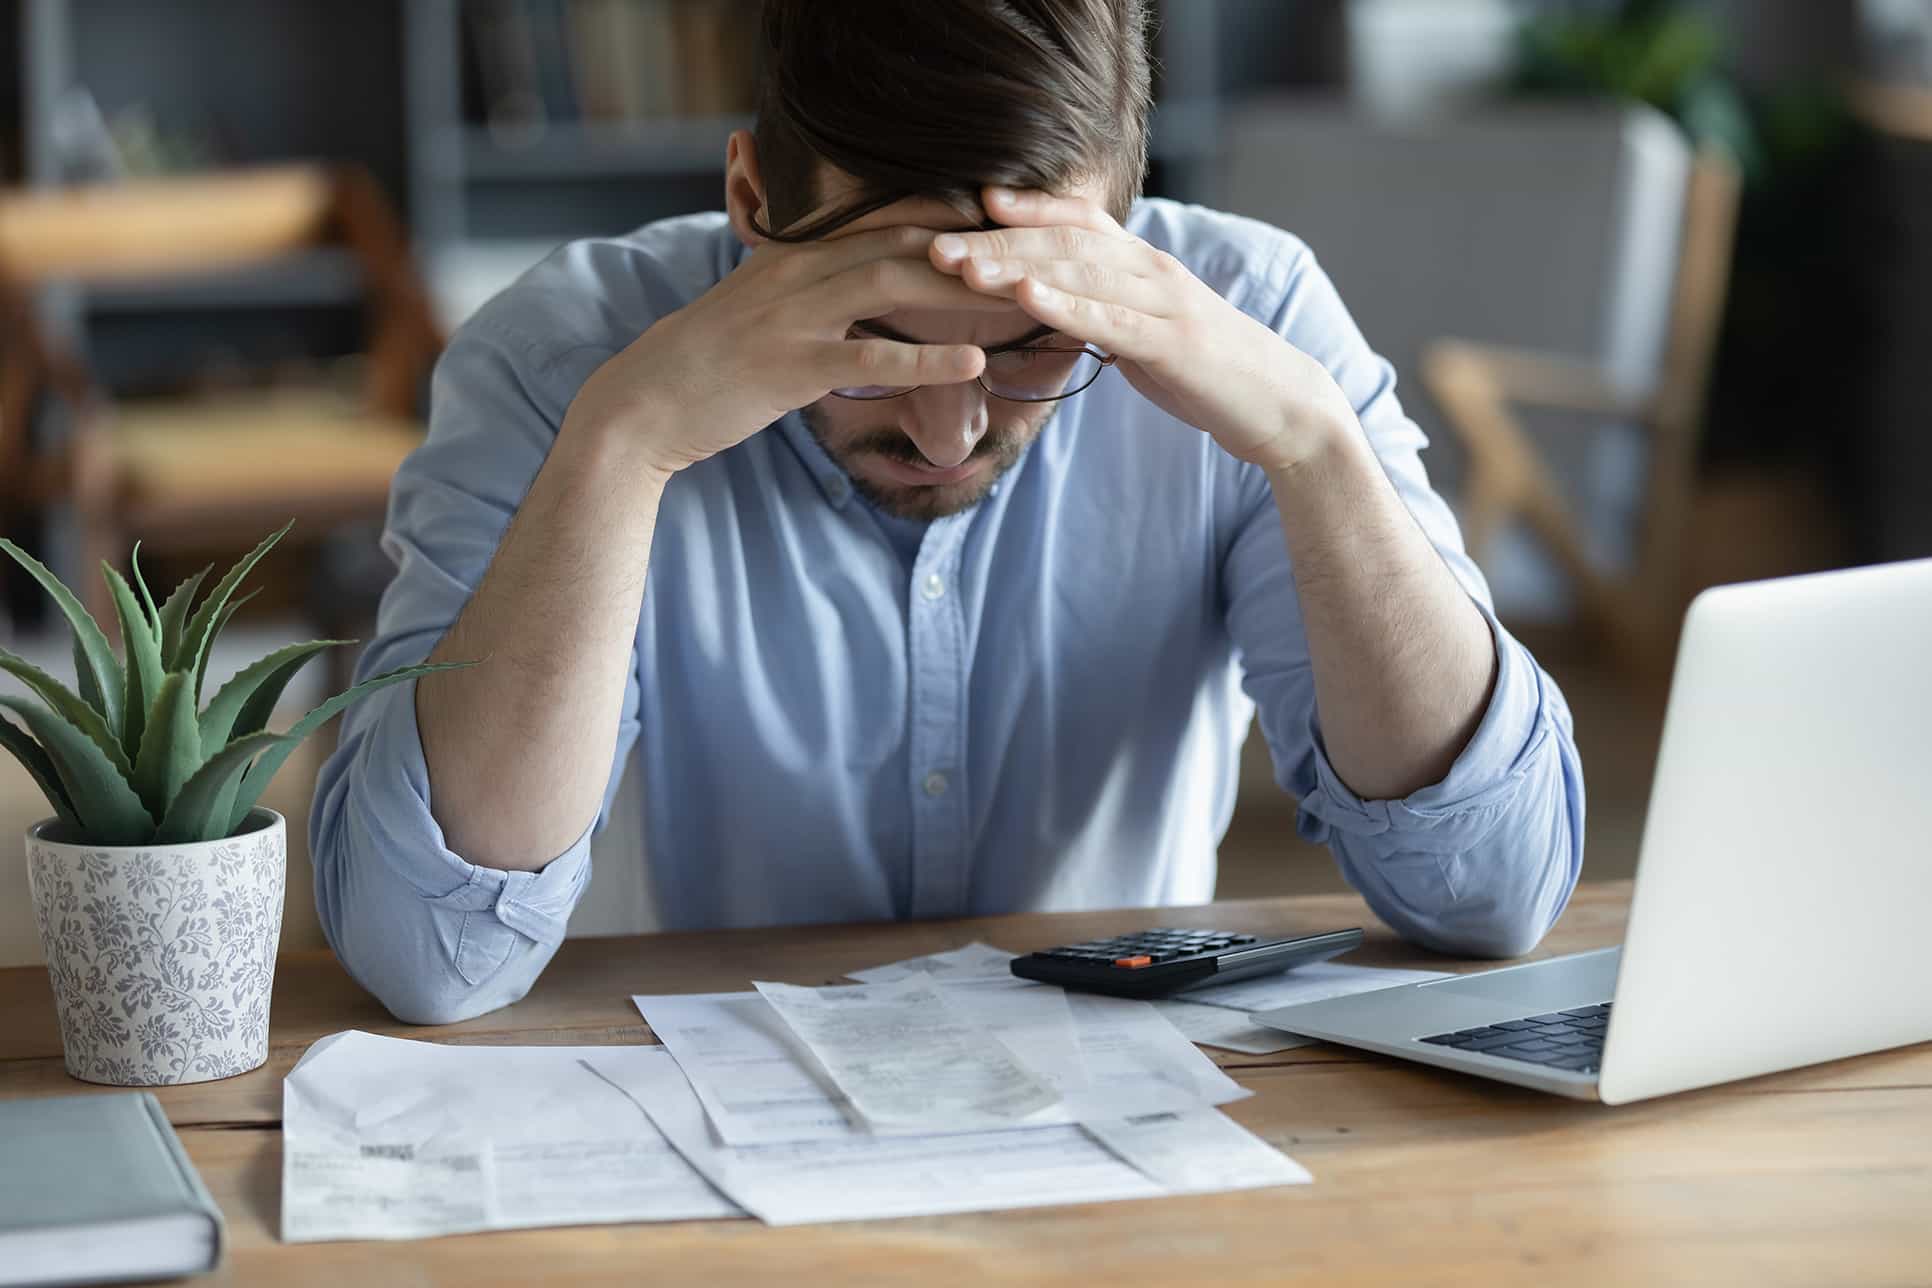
{"x": 1507, "y": 907}
{"x": 426, "y": 965}
{"x": 1495, "y": 934}
{"x": 425, "y": 987}
{"x": 431, "y": 1002}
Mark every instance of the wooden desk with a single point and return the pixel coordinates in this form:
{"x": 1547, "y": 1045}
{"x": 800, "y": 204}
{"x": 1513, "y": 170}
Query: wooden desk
{"x": 1821, "y": 1175}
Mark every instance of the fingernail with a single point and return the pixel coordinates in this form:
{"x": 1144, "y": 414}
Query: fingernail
{"x": 991, "y": 270}
{"x": 1044, "y": 293}
{"x": 1003, "y": 196}
{"x": 949, "y": 246}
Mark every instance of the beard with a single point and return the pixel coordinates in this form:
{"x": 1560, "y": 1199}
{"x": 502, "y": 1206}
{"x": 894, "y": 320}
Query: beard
{"x": 1001, "y": 451}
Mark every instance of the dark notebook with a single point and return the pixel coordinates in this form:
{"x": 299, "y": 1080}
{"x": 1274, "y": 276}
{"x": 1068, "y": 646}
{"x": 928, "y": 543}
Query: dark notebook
{"x": 97, "y": 1189}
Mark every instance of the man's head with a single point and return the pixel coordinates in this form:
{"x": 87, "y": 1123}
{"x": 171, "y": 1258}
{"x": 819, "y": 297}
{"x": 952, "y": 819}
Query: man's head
{"x": 878, "y": 112}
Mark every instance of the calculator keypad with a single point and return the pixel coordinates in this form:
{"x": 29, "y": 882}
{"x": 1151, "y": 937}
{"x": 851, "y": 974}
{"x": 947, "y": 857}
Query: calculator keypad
{"x": 1150, "y": 947}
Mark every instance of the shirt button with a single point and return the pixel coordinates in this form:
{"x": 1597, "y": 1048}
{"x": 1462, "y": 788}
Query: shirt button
{"x": 935, "y": 784}
{"x": 838, "y": 489}
{"x": 935, "y": 586}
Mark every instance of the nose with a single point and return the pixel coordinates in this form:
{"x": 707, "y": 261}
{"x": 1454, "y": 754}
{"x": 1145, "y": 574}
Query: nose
{"x": 946, "y": 421}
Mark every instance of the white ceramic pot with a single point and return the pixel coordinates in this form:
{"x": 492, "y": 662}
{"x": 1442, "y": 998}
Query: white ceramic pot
{"x": 162, "y": 956}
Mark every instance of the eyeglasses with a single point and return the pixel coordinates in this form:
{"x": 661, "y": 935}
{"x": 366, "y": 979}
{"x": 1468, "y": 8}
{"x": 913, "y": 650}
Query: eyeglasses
{"x": 1028, "y": 373}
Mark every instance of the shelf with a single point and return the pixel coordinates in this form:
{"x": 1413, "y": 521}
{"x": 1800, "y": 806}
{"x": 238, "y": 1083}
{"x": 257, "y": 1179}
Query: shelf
{"x": 324, "y": 276}
{"x": 1182, "y": 131}
{"x": 600, "y": 150}
{"x": 1904, "y": 111}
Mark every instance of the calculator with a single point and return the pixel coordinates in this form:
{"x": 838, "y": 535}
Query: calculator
{"x": 1153, "y": 963}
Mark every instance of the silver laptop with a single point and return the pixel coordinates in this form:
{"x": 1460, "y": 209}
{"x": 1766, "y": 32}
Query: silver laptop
{"x": 1783, "y": 905}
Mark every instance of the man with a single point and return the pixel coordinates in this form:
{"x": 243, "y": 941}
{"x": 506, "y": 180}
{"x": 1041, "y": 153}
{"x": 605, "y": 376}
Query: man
{"x": 981, "y": 506}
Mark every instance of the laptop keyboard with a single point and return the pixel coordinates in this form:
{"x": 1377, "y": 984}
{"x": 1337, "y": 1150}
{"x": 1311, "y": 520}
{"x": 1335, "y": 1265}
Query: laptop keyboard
{"x": 1561, "y": 1039}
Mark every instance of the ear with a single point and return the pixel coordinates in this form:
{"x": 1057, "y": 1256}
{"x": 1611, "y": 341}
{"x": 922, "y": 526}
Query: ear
{"x": 744, "y": 188}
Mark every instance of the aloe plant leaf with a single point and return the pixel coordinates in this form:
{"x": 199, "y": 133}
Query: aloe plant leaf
{"x": 200, "y": 630}
{"x": 100, "y": 657}
{"x": 38, "y": 763}
{"x": 141, "y": 653}
{"x": 141, "y": 584}
{"x": 263, "y": 771}
{"x": 174, "y": 617}
{"x": 171, "y": 747}
{"x": 245, "y": 703}
{"x": 221, "y": 624}
{"x": 85, "y": 681}
{"x": 105, "y": 803}
{"x": 67, "y": 706}
{"x": 191, "y": 816}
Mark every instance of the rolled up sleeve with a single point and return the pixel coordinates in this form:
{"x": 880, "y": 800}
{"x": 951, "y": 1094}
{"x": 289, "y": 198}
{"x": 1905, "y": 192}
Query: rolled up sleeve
{"x": 433, "y": 936}
{"x": 436, "y": 938}
{"x": 1484, "y": 861}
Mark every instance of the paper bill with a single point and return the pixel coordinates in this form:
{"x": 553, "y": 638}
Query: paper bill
{"x": 906, "y": 1059}
{"x": 975, "y": 959}
{"x": 865, "y": 1177}
{"x": 387, "y": 1138}
{"x": 1217, "y": 1026}
{"x": 1198, "y": 1152}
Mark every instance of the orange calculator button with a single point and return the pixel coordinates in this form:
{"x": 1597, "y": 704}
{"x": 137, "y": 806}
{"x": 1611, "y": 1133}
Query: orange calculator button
{"x": 1133, "y": 963}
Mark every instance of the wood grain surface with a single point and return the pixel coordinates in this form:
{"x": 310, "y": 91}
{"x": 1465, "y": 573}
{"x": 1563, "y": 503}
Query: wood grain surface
{"x": 1816, "y": 1176}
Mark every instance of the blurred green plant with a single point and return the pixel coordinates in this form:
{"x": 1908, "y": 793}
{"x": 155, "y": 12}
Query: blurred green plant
{"x": 129, "y": 756}
{"x": 1792, "y": 334}
{"x": 1659, "y": 52}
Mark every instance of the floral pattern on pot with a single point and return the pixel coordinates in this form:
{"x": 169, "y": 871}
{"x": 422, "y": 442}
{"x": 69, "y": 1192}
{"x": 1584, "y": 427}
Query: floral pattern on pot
{"x": 162, "y": 957}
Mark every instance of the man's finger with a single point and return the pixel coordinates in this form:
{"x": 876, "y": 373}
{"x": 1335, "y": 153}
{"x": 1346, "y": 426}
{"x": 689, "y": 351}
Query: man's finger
{"x": 857, "y": 364}
{"x": 1114, "y": 327}
{"x": 873, "y": 289}
{"x": 1052, "y": 241}
{"x": 1080, "y": 277}
{"x": 1029, "y": 207}
{"x": 816, "y": 261}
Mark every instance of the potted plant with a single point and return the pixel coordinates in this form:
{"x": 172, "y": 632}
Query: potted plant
{"x": 157, "y": 885}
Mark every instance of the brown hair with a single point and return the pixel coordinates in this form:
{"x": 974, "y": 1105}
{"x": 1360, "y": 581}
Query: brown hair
{"x": 938, "y": 98}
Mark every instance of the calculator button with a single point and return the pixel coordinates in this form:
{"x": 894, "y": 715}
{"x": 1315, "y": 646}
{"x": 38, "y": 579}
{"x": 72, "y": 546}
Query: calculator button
{"x": 1134, "y": 963}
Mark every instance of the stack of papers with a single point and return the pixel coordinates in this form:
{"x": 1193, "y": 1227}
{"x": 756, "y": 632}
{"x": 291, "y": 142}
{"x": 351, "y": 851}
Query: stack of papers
{"x": 952, "y": 1090}
{"x": 939, "y": 1084}
{"x": 384, "y": 1138}
{"x": 862, "y": 1177}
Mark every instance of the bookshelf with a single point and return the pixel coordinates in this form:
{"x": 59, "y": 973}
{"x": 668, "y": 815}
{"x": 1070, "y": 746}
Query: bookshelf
{"x": 406, "y": 88}
{"x": 488, "y": 201}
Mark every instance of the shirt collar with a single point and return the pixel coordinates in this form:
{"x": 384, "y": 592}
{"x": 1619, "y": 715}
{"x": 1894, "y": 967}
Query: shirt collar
{"x": 830, "y": 476}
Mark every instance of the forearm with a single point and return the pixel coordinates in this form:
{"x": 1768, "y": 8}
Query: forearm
{"x": 1403, "y": 661}
{"x": 519, "y": 749}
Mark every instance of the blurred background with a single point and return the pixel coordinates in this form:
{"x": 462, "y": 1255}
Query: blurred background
{"x": 1656, "y": 278}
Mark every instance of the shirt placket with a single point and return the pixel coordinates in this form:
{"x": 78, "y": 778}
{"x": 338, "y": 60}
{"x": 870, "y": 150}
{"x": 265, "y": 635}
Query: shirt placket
{"x": 936, "y": 768}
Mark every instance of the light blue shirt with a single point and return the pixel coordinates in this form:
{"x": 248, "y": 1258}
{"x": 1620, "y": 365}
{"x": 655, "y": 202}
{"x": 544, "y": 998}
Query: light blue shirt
{"x": 1045, "y": 712}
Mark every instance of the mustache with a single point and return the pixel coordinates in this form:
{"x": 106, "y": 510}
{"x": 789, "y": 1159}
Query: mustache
{"x": 996, "y": 444}
{"x": 895, "y": 446}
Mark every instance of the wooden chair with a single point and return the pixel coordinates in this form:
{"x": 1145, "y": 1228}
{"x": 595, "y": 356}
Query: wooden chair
{"x": 205, "y": 473}
{"x": 1637, "y": 608}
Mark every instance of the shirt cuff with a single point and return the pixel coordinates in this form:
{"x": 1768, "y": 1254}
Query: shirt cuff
{"x": 536, "y": 904}
{"x": 1454, "y": 814}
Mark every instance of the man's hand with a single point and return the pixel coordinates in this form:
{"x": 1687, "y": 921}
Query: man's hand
{"x": 772, "y": 337}
{"x": 1191, "y": 353}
